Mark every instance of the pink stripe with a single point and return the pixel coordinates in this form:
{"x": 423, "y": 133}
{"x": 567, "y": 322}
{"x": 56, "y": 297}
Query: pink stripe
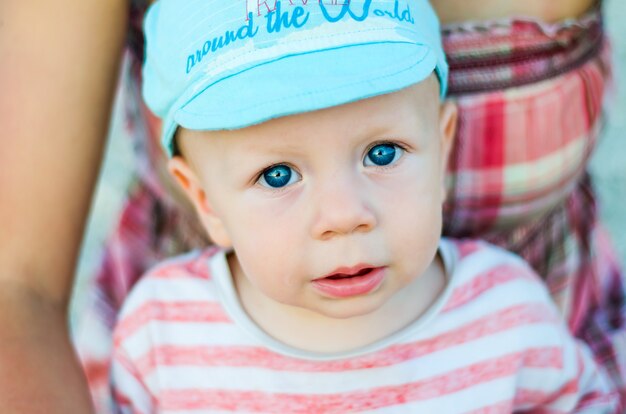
{"x": 527, "y": 397}
{"x": 485, "y": 282}
{"x": 185, "y": 311}
{"x": 376, "y": 398}
{"x": 121, "y": 358}
{"x": 572, "y": 387}
{"x": 123, "y": 402}
{"x": 194, "y": 267}
{"x": 469, "y": 247}
{"x": 498, "y": 408}
{"x": 262, "y": 358}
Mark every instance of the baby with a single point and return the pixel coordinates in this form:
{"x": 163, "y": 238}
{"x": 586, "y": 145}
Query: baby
{"x": 312, "y": 140}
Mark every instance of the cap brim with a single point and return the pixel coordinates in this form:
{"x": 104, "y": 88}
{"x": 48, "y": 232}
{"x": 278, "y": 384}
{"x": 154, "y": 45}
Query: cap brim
{"x": 302, "y": 83}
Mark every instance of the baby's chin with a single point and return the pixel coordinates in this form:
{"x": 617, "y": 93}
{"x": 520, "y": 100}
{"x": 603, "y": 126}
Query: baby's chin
{"x": 348, "y": 308}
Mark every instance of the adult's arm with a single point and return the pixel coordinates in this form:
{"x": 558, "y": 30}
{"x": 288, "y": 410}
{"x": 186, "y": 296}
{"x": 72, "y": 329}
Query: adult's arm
{"x": 58, "y": 68}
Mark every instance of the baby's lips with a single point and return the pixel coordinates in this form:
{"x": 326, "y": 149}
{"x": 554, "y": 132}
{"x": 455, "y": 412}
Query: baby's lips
{"x": 352, "y": 271}
{"x": 351, "y": 285}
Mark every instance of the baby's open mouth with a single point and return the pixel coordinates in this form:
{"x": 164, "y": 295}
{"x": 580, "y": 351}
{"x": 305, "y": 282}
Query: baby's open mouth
{"x": 348, "y": 282}
{"x": 344, "y": 276}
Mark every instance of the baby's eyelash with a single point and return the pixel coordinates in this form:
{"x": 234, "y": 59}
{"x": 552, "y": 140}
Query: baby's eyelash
{"x": 258, "y": 175}
{"x": 398, "y": 144}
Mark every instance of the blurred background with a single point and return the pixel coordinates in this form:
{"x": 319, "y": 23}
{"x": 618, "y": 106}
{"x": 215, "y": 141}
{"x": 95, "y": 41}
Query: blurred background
{"x": 608, "y": 165}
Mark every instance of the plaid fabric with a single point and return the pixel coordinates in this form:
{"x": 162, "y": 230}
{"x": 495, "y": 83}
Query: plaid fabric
{"x": 517, "y": 175}
{"x": 530, "y": 104}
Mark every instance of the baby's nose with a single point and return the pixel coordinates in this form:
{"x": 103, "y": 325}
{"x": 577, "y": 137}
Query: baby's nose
{"x": 341, "y": 208}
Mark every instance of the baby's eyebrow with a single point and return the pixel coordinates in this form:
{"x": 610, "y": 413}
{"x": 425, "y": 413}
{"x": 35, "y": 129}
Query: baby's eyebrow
{"x": 280, "y": 149}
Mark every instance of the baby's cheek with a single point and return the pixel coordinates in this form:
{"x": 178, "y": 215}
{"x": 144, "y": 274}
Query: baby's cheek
{"x": 267, "y": 263}
{"x": 415, "y": 234}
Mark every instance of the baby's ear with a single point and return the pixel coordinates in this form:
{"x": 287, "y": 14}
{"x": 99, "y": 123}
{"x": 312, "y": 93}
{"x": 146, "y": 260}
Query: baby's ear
{"x": 192, "y": 188}
{"x": 448, "y": 116}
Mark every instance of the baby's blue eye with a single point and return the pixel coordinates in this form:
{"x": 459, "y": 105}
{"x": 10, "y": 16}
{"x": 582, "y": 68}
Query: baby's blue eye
{"x": 278, "y": 176}
{"x": 382, "y": 155}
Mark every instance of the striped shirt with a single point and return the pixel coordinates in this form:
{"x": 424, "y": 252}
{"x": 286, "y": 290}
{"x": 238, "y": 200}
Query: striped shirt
{"x": 493, "y": 342}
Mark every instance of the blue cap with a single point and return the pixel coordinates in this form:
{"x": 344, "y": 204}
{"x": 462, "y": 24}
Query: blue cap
{"x": 229, "y": 64}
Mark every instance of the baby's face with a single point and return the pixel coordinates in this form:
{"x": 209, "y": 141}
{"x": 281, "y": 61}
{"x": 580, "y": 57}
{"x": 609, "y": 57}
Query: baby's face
{"x": 334, "y": 211}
